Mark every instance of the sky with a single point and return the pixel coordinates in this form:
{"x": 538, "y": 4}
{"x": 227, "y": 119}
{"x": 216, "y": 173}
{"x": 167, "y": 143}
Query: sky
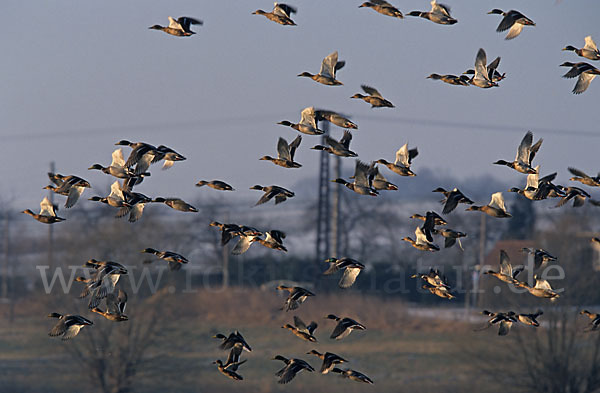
{"x": 80, "y": 76}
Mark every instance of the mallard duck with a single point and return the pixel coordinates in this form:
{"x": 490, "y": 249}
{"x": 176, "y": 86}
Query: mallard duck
{"x": 285, "y": 153}
{"x": 437, "y": 220}
{"x": 279, "y": 193}
{"x": 281, "y": 14}
{"x": 530, "y": 319}
{"x": 525, "y": 154}
{"x": 115, "y": 307}
{"x": 292, "y": 367}
{"x": 234, "y": 339}
{"x": 383, "y": 7}
{"x": 117, "y": 166}
{"x": 450, "y": 236}
{"x": 421, "y": 242}
{"x": 353, "y": 375}
{"x": 174, "y": 260}
{"x": 434, "y": 278}
{"x": 72, "y": 186}
{"x": 47, "y": 213}
{"x": 513, "y": 20}
{"x": 169, "y": 155}
{"x": 307, "y": 124}
{"x": 301, "y": 330}
{"x": 179, "y": 27}
{"x": 340, "y": 149}
{"x": 229, "y": 231}
{"x": 379, "y": 181}
{"x": 351, "y": 267}
{"x": 541, "y": 288}
{"x": 442, "y": 292}
{"x": 595, "y": 320}
{"x": 141, "y": 156}
{"x": 505, "y": 319}
{"x": 494, "y": 209}
{"x": 334, "y": 118}
{"x": 577, "y": 194}
{"x": 531, "y": 188}
{"x": 589, "y": 51}
{"x": 480, "y": 76}
{"x": 68, "y": 326}
{"x": 177, "y": 204}
{"x": 344, "y": 327}
{"x": 229, "y": 370}
{"x": 462, "y": 80}
{"x": 439, "y": 14}
{"x": 329, "y": 67}
{"x": 506, "y": 272}
{"x": 404, "y": 158}
{"x": 452, "y": 199}
{"x": 245, "y": 241}
{"x": 374, "y": 98}
{"x": 296, "y": 297}
{"x": 215, "y": 185}
{"x": 102, "y": 281}
{"x": 273, "y": 239}
{"x": 116, "y": 198}
{"x": 136, "y": 202}
{"x": 492, "y": 71}
{"x": 362, "y": 180}
{"x": 583, "y": 178}
{"x": 329, "y": 360}
{"x": 540, "y": 256}
{"x": 586, "y": 73}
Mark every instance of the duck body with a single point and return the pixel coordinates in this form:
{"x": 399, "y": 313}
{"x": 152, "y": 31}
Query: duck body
{"x": 68, "y": 326}
{"x": 451, "y": 79}
{"x": 344, "y": 327}
{"x": 179, "y": 27}
{"x": 383, "y": 7}
{"x": 513, "y": 20}
{"x": 589, "y": 51}
{"x": 439, "y": 14}
{"x": 329, "y": 67}
{"x": 281, "y": 14}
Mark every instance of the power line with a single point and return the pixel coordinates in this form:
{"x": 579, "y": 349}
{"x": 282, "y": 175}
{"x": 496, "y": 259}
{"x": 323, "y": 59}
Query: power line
{"x": 253, "y": 120}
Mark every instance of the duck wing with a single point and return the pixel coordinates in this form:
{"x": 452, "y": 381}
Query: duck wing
{"x": 497, "y": 201}
{"x": 308, "y": 117}
{"x": 514, "y": 31}
{"x": 329, "y": 65}
{"x": 583, "y": 82}
{"x": 349, "y": 277}
{"x": 441, "y": 9}
{"x": 283, "y": 149}
{"x": 504, "y": 327}
{"x": 480, "y": 65}
{"x": 294, "y": 145}
{"x": 285, "y": 10}
{"x": 371, "y": 91}
{"x": 242, "y": 245}
{"x": 361, "y": 174}
{"x": 590, "y": 44}
{"x": 402, "y": 156}
{"x": 346, "y": 139}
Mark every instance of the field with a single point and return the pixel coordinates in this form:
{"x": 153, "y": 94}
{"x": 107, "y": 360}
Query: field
{"x": 399, "y": 352}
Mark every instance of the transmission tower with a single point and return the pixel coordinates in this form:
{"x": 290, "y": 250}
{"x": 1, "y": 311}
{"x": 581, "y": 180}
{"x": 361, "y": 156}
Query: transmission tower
{"x": 323, "y": 222}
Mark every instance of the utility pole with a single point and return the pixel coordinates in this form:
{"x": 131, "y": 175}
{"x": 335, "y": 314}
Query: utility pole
{"x": 5, "y": 267}
{"x": 481, "y": 258}
{"x": 51, "y": 227}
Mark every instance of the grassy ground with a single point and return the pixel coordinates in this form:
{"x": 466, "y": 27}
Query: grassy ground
{"x": 399, "y": 353}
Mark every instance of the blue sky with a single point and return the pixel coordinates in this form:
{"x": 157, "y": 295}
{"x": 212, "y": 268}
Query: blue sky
{"x": 79, "y": 76}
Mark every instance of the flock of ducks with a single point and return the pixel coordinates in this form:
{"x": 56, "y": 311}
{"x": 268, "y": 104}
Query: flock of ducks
{"x": 103, "y": 276}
